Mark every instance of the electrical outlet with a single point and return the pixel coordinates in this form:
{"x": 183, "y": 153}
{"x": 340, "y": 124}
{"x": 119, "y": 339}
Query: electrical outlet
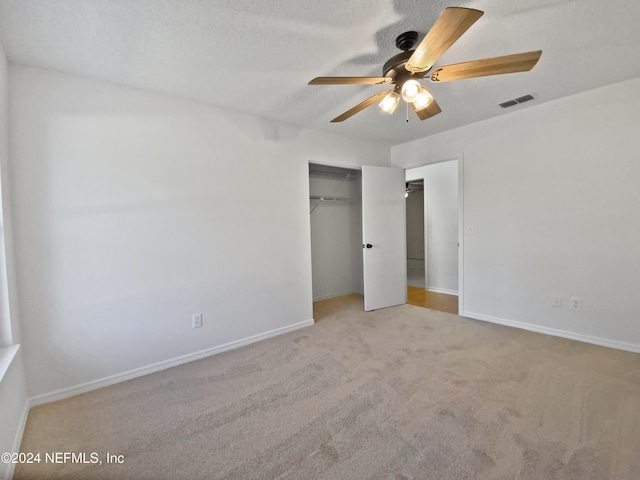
{"x": 196, "y": 320}
{"x": 575, "y": 303}
{"x": 557, "y": 302}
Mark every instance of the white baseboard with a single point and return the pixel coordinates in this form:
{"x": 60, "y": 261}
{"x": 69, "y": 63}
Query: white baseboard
{"x": 629, "y": 347}
{"x": 334, "y": 295}
{"x": 443, "y": 290}
{"x": 156, "y": 367}
{"x": 17, "y": 440}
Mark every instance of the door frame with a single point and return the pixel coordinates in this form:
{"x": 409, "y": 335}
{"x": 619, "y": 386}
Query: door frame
{"x": 447, "y": 158}
{"x": 308, "y": 218}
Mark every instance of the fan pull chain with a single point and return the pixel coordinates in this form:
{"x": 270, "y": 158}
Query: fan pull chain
{"x": 407, "y": 105}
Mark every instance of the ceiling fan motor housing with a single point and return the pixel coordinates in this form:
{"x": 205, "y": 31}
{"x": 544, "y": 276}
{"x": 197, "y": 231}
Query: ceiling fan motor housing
{"x": 395, "y": 66}
{"x": 405, "y": 41}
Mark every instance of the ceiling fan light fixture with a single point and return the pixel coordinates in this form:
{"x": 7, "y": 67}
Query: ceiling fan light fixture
{"x": 422, "y": 99}
{"x": 410, "y": 89}
{"x": 390, "y": 102}
{"x": 406, "y": 70}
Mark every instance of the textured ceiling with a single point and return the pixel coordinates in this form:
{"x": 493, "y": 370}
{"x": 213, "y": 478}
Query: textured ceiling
{"x": 211, "y": 51}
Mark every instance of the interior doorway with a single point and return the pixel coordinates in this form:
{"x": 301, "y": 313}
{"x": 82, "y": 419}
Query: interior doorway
{"x": 433, "y": 218}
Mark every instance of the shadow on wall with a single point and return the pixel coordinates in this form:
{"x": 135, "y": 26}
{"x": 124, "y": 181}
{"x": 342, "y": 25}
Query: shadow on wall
{"x": 274, "y": 131}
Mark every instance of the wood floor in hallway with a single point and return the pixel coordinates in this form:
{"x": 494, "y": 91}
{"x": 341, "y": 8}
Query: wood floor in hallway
{"x": 435, "y": 301}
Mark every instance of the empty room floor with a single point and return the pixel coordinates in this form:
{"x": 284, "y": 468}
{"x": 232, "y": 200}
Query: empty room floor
{"x": 399, "y": 393}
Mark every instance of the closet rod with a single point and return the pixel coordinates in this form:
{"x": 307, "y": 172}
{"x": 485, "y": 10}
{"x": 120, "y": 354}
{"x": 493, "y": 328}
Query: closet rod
{"x": 349, "y": 176}
{"x": 322, "y": 198}
{"x": 325, "y": 198}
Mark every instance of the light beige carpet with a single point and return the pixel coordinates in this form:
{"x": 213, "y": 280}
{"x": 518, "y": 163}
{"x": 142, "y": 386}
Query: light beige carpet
{"x": 401, "y": 393}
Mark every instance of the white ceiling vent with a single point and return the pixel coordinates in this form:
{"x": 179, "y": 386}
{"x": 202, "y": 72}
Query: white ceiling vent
{"x": 519, "y": 100}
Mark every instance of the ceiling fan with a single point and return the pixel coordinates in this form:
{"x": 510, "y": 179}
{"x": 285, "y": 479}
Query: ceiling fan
{"x": 405, "y": 69}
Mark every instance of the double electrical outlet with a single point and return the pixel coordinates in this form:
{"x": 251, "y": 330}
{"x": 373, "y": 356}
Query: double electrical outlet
{"x": 196, "y": 320}
{"x": 575, "y": 303}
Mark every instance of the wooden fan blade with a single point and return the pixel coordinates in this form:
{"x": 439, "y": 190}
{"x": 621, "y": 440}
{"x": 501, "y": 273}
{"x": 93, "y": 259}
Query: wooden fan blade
{"x": 350, "y": 80}
{"x": 361, "y": 106}
{"x": 449, "y": 27}
{"x": 429, "y": 111}
{"x": 520, "y": 62}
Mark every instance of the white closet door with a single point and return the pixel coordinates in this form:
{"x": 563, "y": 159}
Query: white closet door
{"x": 383, "y": 237}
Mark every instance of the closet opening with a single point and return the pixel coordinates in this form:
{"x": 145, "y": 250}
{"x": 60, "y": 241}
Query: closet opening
{"x": 335, "y": 207}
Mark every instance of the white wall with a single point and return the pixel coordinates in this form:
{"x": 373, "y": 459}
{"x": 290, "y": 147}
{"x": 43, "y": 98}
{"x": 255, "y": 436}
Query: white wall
{"x": 415, "y": 225}
{"x": 552, "y": 194}
{"x": 441, "y": 205}
{"x": 13, "y": 392}
{"x": 135, "y": 210}
{"x": 336, "y": 238}
{"x": 441, "y": 224}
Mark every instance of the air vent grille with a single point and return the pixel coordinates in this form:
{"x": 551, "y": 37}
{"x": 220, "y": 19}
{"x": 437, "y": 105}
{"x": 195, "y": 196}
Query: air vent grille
{"x": 524, "y": 98}
{"x": 516, "y": 101}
